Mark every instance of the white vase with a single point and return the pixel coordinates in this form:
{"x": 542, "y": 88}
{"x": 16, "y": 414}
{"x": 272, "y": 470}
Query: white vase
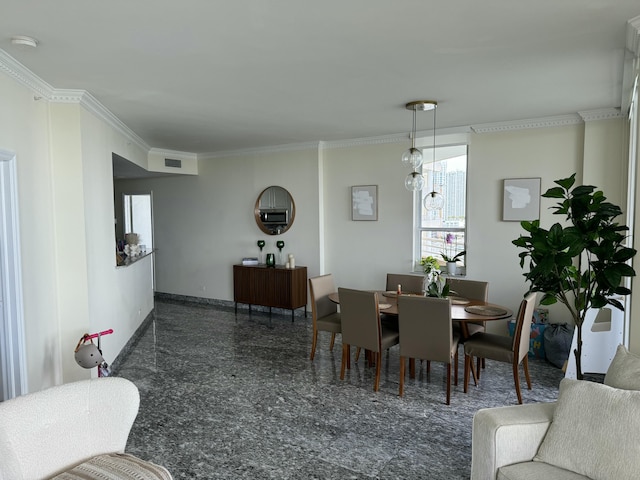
{"x": 451, "y": 268}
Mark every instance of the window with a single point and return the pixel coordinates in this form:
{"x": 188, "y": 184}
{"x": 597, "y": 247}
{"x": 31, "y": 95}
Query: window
{"x": 137, "y": 218}
{"x": 449, "y": 174}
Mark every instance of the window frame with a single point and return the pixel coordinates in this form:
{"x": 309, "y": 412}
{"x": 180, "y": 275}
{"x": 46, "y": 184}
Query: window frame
{"x": 418, "y": 208}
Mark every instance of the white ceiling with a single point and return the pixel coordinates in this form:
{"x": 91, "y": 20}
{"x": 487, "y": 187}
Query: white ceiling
{"x": 206, "y": 76}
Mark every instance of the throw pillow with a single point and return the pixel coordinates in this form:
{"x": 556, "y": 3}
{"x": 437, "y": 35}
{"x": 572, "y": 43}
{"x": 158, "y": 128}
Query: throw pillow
{"x": 624, "y": 371}
{"x": 595, "y": 431}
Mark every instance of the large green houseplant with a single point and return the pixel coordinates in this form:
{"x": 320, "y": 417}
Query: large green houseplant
{"x": 581, "y": 265}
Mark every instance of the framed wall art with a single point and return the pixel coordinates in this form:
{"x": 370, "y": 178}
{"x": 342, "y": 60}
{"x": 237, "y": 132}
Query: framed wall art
{"x": 521, "y": 199}
{"x": 364, "y": 202}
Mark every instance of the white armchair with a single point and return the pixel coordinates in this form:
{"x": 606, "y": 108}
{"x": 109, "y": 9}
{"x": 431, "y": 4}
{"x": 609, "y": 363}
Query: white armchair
{"x": 75, "y": 428}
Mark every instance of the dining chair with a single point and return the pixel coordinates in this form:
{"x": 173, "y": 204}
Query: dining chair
{"x": 426, "y": 333}
{"x": 324, "y": 312}
{"x": 472, "y": 290}
{"x": 505, "y": 349}
{"x": 410, "y": 283}
{"x": 361, "y": 327}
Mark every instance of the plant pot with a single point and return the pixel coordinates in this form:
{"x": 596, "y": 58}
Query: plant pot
{"x": 451, "y": 268}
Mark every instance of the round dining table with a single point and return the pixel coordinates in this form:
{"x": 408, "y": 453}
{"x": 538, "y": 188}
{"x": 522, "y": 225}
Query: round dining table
{"x": 463, "y": 310}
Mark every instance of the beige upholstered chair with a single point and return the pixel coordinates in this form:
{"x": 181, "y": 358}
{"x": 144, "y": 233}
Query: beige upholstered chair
{"x": 505, "y": 349}
{"x": 410, "y": 283}
{"x": 324, "y": 312}
{"x": 473, "y": 290}
{"x": 361, "y": 326}
{"x": 426, "y": 333}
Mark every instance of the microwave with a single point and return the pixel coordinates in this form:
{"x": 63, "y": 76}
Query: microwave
{"x": 274, "y": 216}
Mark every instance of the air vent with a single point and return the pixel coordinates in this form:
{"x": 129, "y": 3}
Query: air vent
{"x": 169, "y": 162}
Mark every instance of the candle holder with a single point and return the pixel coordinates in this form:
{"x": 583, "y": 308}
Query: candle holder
{"x": 280, "y": 245}
{"x": 261, "y": 244}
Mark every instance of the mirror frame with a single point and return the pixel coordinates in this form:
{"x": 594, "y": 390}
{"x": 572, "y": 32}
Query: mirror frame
{"x": 256, "y": 212}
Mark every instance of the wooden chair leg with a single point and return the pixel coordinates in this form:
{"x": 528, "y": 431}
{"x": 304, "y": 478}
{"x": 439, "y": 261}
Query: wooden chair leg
{"x": 345, "y": 357}
{"x": 333, "y": 339}
{"x": 378, "y": 357}
{"x": 448, "y": 383}
{"x": 412, "y": 368}
{"x": 516, "y": 379}
{"x": 478, "y": 365}
{"x": 467, "y": 366}
{"x": 473, "y": 372}
{"x": 428, "y": 366}
{"x": 455, "y": 376}
{"x": 313, "y": 344}
{"x": 525, "y": 364}
{"x": 402, "y": 366}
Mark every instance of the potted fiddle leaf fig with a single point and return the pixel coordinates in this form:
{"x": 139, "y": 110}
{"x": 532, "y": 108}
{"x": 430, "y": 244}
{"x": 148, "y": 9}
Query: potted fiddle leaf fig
{"x": 581, "y": 265}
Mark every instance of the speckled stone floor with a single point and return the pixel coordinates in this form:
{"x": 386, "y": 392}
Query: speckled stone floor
{"x": 226, "y": 396}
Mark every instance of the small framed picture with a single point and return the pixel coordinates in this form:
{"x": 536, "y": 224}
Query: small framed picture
{"x": 521, "y": 200}
{"x": 364, "y": 202}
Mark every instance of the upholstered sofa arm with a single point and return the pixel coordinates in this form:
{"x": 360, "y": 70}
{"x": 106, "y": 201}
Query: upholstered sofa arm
{"x": 505, "y": 435}
{"x": 44, "y": 433}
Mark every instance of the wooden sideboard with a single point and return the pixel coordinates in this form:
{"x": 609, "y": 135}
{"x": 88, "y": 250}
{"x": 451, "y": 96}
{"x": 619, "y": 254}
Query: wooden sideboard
{"x": 270, "y": 287}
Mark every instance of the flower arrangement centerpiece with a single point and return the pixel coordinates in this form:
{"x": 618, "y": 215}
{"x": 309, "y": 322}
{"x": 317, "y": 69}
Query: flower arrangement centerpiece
{"x": 435, "y": 285}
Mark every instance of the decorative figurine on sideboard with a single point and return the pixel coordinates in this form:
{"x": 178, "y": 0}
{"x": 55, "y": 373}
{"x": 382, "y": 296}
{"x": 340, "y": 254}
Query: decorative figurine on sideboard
{"x": 280, "y": 245}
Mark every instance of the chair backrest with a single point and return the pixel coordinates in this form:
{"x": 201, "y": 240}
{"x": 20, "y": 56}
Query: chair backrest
{"x": 45, "y": 432}
{"x": 523, "y": 326}
{"x": 425, "y": 328}
{"x": 410, "y": 283}
{"x": 320, "y": 288}
{"x": 471, "y": 289}
{"x": 360, "y": 318}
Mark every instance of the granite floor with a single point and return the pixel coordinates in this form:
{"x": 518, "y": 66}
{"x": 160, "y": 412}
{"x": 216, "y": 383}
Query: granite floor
{"x": 235, "y": 396}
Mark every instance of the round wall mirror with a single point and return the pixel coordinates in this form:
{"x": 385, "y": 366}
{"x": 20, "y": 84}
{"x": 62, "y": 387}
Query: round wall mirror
{"x": 275, "y": 210}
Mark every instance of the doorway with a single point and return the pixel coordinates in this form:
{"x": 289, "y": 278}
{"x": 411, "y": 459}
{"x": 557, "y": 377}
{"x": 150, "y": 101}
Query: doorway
{"x": 13, "y": 373}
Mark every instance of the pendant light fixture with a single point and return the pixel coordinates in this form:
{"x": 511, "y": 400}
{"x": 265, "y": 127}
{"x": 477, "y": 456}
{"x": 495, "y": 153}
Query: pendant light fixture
{"x": 433, "y": 200}
{"x": 413, "y": 156}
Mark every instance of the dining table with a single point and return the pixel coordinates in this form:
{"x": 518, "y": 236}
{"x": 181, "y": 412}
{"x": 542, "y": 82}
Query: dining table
{"x": 463, "y": 310}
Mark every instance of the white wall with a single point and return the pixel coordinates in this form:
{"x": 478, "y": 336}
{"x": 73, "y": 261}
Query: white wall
{"x": 361, "y": 253}
{"x": 65, "y": 201}
{"x": 548, "y": 153}
{"x": 24, "y": 129}
{"x": 204, "y": 225}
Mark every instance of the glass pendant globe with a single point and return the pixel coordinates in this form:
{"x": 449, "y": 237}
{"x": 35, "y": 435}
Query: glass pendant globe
{"x": 433, "y": 201}
{"x": 412, "y": 158}
{"x": 414, "y": 182}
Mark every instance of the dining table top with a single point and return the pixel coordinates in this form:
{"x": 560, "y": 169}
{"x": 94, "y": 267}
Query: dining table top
{"x": 462, "y": 309}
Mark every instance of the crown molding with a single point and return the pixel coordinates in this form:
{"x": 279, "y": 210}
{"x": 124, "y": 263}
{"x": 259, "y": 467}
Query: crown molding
{"x": 557, "y": 121}
{"x": 600, "y": 114}
{"x": 90, "y": 103}
{"x": 43, "y": 90}
{"x": 633, "y": 35}
{"x": 261, "y": 150}
{"x": 24, "y": 76}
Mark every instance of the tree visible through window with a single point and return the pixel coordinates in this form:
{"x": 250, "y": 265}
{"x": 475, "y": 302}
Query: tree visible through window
{"x": 449, "y": 175}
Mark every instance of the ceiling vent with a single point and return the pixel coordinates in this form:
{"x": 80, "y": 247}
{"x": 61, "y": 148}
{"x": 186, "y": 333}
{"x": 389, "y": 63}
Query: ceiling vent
{"x": 169, "y": 162}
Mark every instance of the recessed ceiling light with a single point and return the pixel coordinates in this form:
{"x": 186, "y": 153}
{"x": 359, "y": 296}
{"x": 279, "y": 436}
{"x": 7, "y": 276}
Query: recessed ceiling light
{"x": 24, "y": 40}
